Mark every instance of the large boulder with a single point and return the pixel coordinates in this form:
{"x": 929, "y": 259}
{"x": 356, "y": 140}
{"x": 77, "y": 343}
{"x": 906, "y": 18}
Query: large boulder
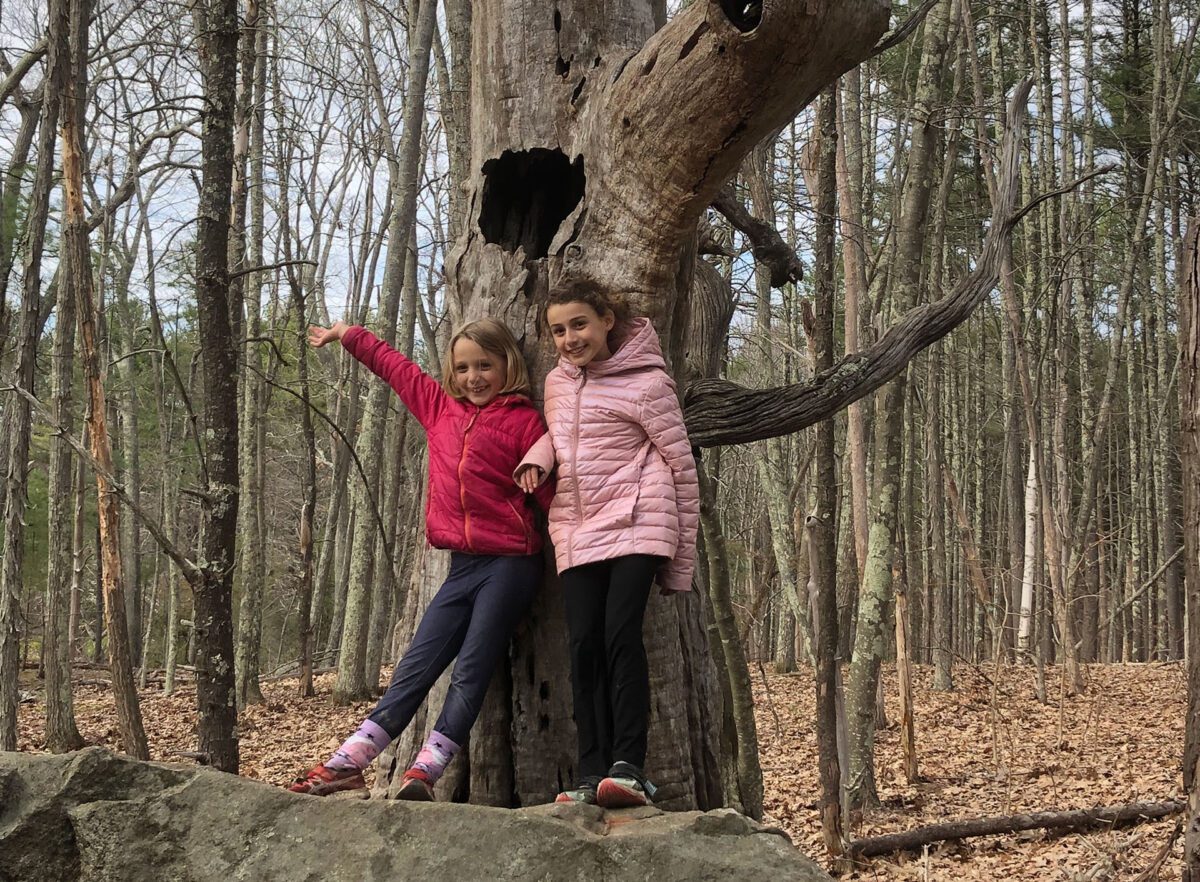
{"x": 98, "y": 817}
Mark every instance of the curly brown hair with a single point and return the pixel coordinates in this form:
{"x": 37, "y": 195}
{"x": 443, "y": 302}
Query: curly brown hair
{"x": 604, "y": 302}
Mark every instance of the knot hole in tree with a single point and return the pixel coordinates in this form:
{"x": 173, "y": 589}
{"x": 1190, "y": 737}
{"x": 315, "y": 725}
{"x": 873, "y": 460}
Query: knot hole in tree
{"x": 744, "y": 15}
{"x": 527, "y": 194}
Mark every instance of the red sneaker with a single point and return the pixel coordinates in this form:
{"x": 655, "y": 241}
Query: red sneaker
{"x": 322, "y": 781}
{"x": 415, "y": 787}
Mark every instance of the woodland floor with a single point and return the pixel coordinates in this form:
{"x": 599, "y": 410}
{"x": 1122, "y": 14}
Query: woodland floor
{"x": 1120, "y": 742}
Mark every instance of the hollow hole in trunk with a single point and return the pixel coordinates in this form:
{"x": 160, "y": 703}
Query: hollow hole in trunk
{"x": 744, "y": 15}
{"x": 527, "y": 194}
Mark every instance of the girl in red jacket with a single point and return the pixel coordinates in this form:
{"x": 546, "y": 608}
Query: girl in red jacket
{"x": 625, "y": 514}
{"x": 479, "y": 422}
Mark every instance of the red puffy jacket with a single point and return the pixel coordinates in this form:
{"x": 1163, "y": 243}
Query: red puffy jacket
{"x": 473, "y": 503}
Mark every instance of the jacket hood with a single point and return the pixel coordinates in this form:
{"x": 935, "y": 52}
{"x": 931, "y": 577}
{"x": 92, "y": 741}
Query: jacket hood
{"x": 635, "y": 347}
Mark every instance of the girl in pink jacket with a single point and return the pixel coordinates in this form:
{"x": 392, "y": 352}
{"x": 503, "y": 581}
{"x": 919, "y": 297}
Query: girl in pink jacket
{"x": 625, "y": 514}
{"x": 478, "y": 423}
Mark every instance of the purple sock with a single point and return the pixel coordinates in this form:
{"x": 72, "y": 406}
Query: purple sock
{"x": 435, "y": 756}
{"x": 360, "y": 749}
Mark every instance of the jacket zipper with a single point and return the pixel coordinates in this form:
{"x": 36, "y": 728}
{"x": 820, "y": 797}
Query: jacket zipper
{"x": 462, "y": 487}
{"x": 575, "y": 456}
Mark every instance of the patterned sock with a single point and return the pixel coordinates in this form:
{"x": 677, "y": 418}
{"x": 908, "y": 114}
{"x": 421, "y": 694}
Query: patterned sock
{"x": 360, "y": 749}
{"x": 435, "y": 756}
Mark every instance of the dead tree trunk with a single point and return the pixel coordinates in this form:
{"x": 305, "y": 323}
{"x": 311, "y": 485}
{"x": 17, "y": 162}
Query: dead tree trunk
{"x": 579, "y": 171}
{"x": 79, "y": 273}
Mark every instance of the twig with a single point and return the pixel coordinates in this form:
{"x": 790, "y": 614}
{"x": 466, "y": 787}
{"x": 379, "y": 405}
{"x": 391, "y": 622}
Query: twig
{"x": 762, "y": 670}
{"x": 1151, "y": 872}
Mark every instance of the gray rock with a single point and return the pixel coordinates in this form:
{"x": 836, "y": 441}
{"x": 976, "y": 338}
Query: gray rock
{"x": 98, "y": 817}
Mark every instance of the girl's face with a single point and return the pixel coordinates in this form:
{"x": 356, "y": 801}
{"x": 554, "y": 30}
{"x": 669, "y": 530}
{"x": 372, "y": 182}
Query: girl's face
{"x": 479, "y": 375}
{"x": 580, "y": 333}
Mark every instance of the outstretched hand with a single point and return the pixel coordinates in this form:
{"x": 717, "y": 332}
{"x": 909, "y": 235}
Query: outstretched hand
{"x": 529, "y": 478}
{"x": 318, "y": 336}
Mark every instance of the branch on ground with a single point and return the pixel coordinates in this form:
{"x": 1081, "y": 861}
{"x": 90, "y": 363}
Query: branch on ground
{"x": 1068, "y": 821}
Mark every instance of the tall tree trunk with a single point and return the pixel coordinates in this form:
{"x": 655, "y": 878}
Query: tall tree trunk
{"x": 869, "y": 641}
{"x": 354, "y": 682}
{"x": 1189, "y": 454}
{"x": 75, "y": 240}
{"x": 822, "y": 530}
{"x": 248, "y": 149}
{"x": 217, "y": 29}
{"x": 61, "y": 732}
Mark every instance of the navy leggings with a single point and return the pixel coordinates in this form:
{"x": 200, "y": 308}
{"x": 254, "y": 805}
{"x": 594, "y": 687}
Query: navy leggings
{"x": 472, "y": 617}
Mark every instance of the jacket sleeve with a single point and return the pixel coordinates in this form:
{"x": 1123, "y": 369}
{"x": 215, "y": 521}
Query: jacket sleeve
{"x": 421, "y": 393}
{"x": 540, "y": 454}
{"x": 662, "y": 418}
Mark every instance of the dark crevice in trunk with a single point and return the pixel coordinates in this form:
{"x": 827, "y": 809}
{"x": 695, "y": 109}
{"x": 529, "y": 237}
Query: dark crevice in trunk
{"x": 527, "y": 194}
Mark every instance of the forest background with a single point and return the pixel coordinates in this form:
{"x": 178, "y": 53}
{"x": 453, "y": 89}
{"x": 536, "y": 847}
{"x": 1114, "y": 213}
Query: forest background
{"x": 1007, "y": 510}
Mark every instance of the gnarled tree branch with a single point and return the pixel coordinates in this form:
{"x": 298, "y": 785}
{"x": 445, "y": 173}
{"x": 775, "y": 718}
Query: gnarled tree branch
{"x": 720, "y": 412}
{"x": 766, "y": 244}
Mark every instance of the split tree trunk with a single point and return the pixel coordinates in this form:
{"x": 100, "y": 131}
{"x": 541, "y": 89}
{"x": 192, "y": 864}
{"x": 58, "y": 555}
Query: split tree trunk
{"x": 79, "y": 272}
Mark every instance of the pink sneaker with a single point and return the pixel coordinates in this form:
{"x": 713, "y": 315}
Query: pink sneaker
{"x": 322, "y": 781}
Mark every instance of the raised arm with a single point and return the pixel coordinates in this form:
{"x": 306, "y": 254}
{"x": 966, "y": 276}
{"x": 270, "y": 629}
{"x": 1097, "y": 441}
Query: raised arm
{"x": 421, "y": 394}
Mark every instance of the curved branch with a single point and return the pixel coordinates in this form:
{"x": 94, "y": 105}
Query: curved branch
{"x": 766, "y": 244}
{"x": 720, "y": 412}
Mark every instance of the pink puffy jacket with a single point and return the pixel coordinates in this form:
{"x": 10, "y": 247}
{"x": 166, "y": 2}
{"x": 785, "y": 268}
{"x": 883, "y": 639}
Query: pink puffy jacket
{"x": 626, "y": 476}
{"x": 473, "y": 504}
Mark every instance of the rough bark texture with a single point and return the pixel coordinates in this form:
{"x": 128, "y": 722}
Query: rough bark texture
{"x": 61, "y": 731}
{"x": 822, "y": 536}
{"x": 217, "y": 26}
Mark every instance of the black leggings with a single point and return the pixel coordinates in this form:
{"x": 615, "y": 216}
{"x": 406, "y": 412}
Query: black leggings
{"x": 606, "y": 602}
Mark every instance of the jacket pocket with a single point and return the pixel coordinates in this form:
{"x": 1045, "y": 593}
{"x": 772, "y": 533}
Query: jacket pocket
{"x": 523, "y": 525}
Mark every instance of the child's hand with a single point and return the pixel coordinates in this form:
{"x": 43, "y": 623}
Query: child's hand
{"x": 529, "y": 478}
{"x": 318, "y": 336}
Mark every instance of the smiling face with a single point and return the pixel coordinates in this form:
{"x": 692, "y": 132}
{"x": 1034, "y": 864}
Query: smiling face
{"x": 479, "y": 375}
{"x": 580, "y": 333}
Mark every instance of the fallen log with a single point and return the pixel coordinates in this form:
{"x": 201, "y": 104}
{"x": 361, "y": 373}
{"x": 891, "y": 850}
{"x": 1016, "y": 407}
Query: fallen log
{"x": 1075, "y": 820}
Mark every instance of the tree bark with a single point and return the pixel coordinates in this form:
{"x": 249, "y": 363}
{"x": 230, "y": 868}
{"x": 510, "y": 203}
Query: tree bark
{"x": 75, "y": 240}
{"x": 821, "y": 523}
{"x": 1189, "y": 454}
{"x": 1076, "y": 820}
{"x": 869, "y": 640}
{"x": 217, "y": 29}
{"x": 61, "y": 732}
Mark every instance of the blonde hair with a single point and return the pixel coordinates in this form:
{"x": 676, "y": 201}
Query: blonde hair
{"x": 496, "y": 339}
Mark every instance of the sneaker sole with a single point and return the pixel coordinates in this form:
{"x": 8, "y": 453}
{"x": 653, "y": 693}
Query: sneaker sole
{"x": 414, "y": 791}
{"x": 564, "y": 799}
{"x": 612, "y": 795}
{"x": 325, "y": 789}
